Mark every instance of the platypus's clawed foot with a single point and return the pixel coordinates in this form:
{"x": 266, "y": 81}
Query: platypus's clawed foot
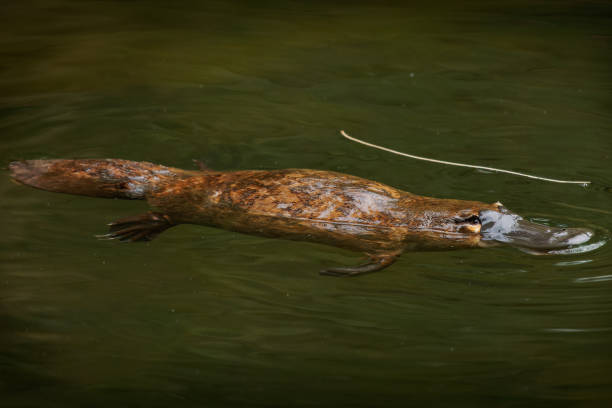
{"x": 377, "y": 263}
{"x": 139, "y": 228}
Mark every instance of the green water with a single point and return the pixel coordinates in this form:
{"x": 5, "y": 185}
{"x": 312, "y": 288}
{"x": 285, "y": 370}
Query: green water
{"x": 209, "y": 318}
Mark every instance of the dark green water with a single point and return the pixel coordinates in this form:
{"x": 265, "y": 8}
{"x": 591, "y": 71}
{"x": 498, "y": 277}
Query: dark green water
{"x": 204, "y": 317}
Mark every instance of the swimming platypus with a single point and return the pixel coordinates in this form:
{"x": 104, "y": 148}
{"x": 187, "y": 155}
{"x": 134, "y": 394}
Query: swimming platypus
{"x": 305, "y": 205}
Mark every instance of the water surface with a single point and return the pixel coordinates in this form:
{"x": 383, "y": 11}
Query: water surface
{"x": 203, "y": 317}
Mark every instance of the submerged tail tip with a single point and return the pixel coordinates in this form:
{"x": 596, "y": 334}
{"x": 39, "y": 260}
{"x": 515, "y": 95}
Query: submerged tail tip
{"x": 14, "y": 166}
{"x": 20, "y": 169}
{"x": 23, "y": 171}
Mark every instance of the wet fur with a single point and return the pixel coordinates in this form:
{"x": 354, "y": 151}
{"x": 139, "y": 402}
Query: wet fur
{"x": 313, "y": 205}
{"x": 298, "y": 204}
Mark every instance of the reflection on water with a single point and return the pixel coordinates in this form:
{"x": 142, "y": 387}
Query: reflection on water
{"x": 579, "y": 249}
{"x": 601, "y": 278}
{"x": 206, "y": 317}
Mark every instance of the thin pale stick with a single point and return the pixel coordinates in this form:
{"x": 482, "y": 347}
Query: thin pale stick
{"x": 459, "y": 164}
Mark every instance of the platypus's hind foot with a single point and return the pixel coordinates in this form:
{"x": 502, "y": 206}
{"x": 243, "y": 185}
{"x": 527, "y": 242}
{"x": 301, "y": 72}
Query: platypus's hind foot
{"x": 377, "y": 263}
{"x": 139, "y": 228}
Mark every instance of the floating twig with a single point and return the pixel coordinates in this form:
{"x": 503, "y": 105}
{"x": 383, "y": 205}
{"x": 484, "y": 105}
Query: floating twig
{"x": 386, "y": 149}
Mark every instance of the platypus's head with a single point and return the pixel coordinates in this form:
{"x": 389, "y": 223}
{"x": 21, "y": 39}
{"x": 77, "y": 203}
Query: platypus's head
{"x": 501, "y": 225}
{"x": 456, "y": 223}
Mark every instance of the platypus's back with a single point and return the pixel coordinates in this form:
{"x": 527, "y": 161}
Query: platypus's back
{"x": 111, "y": 178}
{"x": 226, "y": 199}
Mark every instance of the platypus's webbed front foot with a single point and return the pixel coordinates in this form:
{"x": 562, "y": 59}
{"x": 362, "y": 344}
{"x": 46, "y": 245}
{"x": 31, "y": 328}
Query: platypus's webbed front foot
{"x": 377, "y": 262}
{"x": 143, "y": 227}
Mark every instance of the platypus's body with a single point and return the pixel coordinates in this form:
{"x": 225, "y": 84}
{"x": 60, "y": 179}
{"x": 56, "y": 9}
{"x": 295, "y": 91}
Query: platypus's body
{"x": 307, "y": 205}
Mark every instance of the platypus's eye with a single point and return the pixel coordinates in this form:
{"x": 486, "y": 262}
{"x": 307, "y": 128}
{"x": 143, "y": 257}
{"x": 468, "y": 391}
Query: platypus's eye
{"x": 474, "y": 219}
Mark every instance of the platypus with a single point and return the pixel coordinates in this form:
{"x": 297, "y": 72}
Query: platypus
{"x": 298, "y": 204}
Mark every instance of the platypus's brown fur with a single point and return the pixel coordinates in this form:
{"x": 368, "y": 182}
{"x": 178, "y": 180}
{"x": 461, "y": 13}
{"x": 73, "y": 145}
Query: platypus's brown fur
{"x": 318, "y": 206}
{"x": 297, "y": 204}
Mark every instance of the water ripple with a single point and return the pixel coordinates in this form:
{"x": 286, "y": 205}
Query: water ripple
{"x": 579, "y": 250}
{"x": 572, "y": 330}
{"x": 590, "y": 279}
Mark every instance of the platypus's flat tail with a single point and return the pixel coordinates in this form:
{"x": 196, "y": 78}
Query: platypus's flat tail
{"x": 111, "y": 178}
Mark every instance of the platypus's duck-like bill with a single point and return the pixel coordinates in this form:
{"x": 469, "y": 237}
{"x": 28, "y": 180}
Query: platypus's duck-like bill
{"x": 307, "y": 205}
